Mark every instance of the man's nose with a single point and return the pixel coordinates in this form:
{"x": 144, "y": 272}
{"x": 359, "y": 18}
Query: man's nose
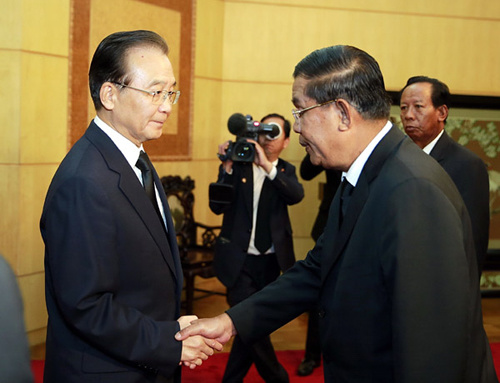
{"x": 296, "y": 126}
{"x": 408, "y": 114}
{"x": 165, "y": 107}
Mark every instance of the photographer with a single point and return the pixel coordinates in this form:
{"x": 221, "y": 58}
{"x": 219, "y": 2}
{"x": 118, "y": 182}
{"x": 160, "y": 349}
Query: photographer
{"x": 255, "y": 243}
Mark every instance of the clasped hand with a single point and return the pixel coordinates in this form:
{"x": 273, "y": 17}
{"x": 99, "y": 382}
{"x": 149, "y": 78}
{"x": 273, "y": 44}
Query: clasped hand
{"x": 214, "y": 332}
{"x": 196, "y": 349}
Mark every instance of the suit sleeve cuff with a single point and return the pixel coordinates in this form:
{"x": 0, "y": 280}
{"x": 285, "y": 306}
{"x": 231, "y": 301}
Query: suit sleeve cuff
{"x": 272, "y": 173}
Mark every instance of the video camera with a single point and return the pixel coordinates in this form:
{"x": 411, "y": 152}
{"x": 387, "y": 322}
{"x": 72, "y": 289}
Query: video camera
{"x": 244, "y": 127}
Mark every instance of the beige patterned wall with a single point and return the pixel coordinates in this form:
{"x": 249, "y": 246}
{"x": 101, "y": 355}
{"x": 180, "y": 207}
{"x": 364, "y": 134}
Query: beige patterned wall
{"x": 245, "y": 51}
{"x": 34, "y": 70}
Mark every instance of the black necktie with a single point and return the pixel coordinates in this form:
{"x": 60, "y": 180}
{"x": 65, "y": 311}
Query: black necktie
{"x": 146, "y": 167}
{"x": 345, "y": 194}
{"x": 262, "y": 227}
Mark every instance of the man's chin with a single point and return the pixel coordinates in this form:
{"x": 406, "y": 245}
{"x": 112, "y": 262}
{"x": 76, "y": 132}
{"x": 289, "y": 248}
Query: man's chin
{"x": 157, "y": 133}
{"x": 411, "y": 132}
{"x": 315, "y": 160}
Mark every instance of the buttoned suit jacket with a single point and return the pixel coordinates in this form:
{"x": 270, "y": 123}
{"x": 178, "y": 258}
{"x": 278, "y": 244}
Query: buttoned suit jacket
{"x": 232, "y": 243}
{"x": 470, "y": 175}
{"x": 396, "y": 284}
{"x": 113, "y": 276}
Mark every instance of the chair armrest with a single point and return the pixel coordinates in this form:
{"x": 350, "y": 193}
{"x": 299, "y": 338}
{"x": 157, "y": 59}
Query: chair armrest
{"x": 209, "y": 234}
{"x": 207, "y": 227}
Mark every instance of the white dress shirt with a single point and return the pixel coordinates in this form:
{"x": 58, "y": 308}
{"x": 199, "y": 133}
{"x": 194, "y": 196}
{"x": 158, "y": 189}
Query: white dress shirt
{"x": 259, "y": 175}
{"x": 131, "y": 153}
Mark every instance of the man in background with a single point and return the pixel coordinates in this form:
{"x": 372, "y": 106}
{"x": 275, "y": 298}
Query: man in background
{"x": 394, "y": 274}
{"x": 112, "y": 271}
{"x": 424, "y": 107}
{"x": 255, "y": 243}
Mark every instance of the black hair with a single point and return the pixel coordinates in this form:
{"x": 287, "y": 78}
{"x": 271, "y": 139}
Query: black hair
{"x": 440, "y": 93}
{"x": 109, "y": 62}
{"x": 343, "y": 71}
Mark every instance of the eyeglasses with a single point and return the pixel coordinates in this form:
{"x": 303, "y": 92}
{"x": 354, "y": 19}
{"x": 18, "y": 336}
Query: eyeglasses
{"x": 297, "y": 113}
{"x": 158, "y": 96}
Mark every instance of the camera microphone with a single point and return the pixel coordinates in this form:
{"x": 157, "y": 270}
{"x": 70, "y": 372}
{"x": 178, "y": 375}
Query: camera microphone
{"x": 237, "y": 124}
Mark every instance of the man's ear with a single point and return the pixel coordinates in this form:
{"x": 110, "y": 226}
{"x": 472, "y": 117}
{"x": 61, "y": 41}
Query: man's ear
{"x": 345, "y": 114}
{"x": 108, "y": 94}
{"x": 286, "y": 141}
{"x": 442, "y": 112}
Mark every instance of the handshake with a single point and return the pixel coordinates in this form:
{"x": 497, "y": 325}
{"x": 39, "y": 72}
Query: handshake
{"x": 200, "y": 337}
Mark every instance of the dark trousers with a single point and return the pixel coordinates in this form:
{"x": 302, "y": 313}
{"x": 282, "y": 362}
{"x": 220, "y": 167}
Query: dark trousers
{"x": 257, "y": 272}
{"x": 313, "y": 345}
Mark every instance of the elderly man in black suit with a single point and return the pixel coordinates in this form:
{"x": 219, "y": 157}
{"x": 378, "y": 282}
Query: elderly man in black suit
{"x": 424, "y": 107}
{"x": 113, "y": 276}
{"x": 394, "y": 273}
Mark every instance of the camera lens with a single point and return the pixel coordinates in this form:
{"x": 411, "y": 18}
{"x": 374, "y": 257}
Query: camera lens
{"x": 243, "y": 151}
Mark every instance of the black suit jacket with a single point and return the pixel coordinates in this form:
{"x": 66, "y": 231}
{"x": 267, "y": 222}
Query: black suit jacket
{"x": 397, "y": 285}
{"x": 113, "y": 277}
{"x": 470, "y": 175}
{"x": 232, "y": 243}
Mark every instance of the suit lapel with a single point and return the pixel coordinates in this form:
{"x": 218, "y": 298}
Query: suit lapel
{"x": 247, "y": 181}
{"x": 330, "y": 251}
{"x": 336, "y": 244}
{"x": 133, "y": 191}
{"x": 338, "y": 239}
{"x": 441, "y": 147}
{"x": 172, "y": 237}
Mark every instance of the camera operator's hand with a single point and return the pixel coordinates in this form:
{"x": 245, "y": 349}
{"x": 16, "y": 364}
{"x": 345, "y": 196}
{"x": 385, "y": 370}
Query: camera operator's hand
{"x": 228, "y": 164}
{"x": 260, "y": 157}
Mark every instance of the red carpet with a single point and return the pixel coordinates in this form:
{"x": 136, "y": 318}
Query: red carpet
{"x": 495, "y": 351}
{"x": 212, "y": 370}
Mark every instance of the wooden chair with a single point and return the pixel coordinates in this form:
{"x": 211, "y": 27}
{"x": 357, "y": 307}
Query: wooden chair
{"x": 195, "y": 240}
{"x": 492, "y": 260}
{"x": 491, "y": 271}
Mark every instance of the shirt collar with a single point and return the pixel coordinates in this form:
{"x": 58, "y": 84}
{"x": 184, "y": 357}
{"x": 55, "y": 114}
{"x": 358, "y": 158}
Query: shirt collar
{"x": 129, "y": 150}
{"x": 357, "y": 166}
{"x": 430, "y": 145}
